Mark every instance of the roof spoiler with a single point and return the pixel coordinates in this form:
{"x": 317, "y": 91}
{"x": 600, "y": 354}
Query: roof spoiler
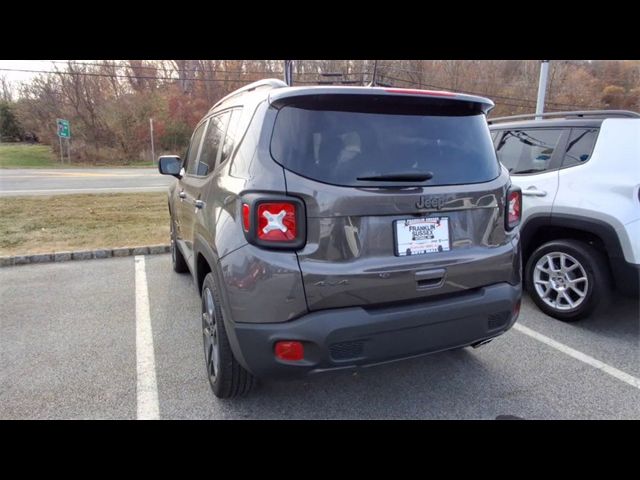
{"x": 280, "y": 97}
{"x": 579, "y": 114}
{"x": 266, "y": 83}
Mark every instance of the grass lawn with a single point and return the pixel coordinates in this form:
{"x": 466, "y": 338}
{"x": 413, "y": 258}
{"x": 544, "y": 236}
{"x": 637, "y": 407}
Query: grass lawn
{"x": 24, "y": 155}
{"x": 77, "y": 222}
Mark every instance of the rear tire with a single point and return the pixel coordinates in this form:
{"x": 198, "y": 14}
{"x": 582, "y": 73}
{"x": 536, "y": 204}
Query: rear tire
{"x": 177, "y": 259}
{"x": 227, "y": 378}
{"x": 569, "y": 280}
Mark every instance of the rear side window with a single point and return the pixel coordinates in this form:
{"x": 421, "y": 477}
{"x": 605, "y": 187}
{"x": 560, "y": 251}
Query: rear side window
{"x": 194, "y": 147}
{"x": 527, "y": 151}
{"x": 230, "y": 139}
{"x": 211, "y": 143}
{"x": 580, "y": 146}
{"x": 337, "y": 145}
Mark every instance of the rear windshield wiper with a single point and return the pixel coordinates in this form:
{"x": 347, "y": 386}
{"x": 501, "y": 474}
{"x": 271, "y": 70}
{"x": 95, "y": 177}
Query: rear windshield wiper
{"x": 530, "y": 170}
{"x": 399, "y": 177}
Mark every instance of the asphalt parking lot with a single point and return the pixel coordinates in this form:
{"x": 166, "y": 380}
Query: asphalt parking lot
{"x": 68, "y": 350}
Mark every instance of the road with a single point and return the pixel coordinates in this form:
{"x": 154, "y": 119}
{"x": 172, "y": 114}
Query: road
{"x": 15, "y": 182}
{"x": 68, "y": 350}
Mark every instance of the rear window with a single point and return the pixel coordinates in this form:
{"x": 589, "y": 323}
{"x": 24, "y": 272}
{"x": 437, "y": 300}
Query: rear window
{"x": 529, "y": 150}
{"x": 580, "y": 146}
{"x": 339, "y": 144}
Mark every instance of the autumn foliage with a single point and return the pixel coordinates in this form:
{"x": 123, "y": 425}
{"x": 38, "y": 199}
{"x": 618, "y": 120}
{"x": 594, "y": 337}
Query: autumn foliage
{"x": 109, "y": 103}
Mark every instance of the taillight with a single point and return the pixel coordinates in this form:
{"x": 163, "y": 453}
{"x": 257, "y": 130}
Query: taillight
{"x": 277, "y": 222}
{"x": 274, "y": 221}
{"x": 514, "y": 208}
{"x": 246, "y": 211}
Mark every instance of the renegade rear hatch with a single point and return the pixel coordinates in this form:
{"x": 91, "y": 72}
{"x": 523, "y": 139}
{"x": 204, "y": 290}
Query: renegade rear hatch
{"x": 404, "y": 196}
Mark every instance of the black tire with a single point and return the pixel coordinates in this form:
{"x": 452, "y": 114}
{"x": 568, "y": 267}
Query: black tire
{"x": 597, "y": 290}
{"x": 227, "y": 377}
{"x": 177, "y": 259}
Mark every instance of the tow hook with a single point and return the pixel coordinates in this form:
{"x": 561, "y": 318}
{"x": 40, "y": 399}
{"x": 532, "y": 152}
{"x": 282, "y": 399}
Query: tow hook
{"x": 481, "y": 343}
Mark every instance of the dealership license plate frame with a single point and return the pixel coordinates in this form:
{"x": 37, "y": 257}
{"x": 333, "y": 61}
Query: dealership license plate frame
{"x": 444, "y": 226}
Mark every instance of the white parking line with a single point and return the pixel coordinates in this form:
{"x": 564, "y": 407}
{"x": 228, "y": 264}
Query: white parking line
{"x": 614, "y": 372}
{"x": 147, "y": 388}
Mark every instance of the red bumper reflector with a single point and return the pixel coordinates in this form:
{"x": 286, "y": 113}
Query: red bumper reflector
{"x": 289, "y": 350}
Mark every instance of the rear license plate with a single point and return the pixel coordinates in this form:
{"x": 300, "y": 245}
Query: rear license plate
{"x": 417, "y": 236}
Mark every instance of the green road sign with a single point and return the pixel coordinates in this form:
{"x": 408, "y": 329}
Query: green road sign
{"x": 63, "y": 128}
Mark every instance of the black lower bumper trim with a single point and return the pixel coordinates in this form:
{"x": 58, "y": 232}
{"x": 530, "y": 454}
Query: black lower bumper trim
{"x": 347, "y": 337}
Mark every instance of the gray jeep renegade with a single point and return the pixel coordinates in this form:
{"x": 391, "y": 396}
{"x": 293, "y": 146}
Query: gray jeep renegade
{"x": 336, "y": 227}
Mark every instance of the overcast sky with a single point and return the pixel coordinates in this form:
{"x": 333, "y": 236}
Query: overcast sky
{"x": 23, "y": 65}
{"x": 17, "y": 77}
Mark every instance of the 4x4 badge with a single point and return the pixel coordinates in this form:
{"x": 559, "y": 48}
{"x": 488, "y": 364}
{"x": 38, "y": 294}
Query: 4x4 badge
{"x": 430, "y": 202}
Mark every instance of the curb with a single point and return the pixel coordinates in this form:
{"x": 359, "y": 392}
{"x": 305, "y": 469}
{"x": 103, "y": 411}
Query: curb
{"x": 10, "y": 261}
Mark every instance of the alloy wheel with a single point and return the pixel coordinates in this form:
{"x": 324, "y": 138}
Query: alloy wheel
{"x": 560, "y": 281}
{"x": 210, "y": 335}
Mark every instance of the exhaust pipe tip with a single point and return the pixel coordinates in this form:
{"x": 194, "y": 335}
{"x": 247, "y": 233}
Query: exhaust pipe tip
{"x": 481, "y": 343}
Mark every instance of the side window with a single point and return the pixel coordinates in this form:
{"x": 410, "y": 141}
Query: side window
{"x": 193, "y": 149}
{"x": 580, "y": 146}
{"x": 230, "y": 138}
{"x": 211, "y": 144}
{"x": 527, "y": 151}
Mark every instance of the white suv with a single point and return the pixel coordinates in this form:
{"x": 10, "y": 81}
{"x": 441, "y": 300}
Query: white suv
{"x": 580, "y": 181}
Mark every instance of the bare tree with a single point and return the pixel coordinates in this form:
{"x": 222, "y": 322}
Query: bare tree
{"x": 6, "y": 93}
{"x": 109, "y": 103}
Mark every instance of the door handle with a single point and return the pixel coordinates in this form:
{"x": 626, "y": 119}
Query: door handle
{"x": 534, "y": 192}
{"x": 199, "y": 203}
{"x": 182, "y": 195}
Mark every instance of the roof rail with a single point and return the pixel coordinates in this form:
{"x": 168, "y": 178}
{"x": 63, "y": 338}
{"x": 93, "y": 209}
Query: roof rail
{"x": 579, "y": 113}
{"x": 267, "y": 82}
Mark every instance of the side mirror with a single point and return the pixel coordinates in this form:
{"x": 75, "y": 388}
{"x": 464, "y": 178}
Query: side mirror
{"x": 170, "y": 165}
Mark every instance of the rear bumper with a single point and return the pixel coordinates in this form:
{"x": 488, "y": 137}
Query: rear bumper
{"x": 350, "y": 337}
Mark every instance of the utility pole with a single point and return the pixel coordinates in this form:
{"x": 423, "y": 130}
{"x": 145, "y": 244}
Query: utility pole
{"x": 153, "y": 150}
{"x": 375, "y": 72}
{"x": 542, "y": 87}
